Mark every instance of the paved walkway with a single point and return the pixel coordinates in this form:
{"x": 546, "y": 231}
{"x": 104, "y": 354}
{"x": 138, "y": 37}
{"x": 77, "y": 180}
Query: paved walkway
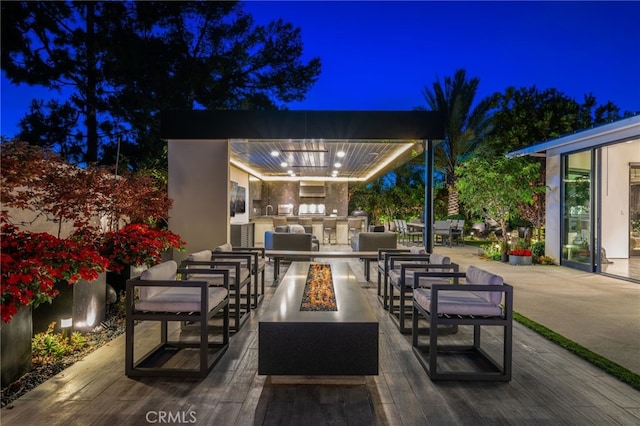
{"x": 597, "y": 312}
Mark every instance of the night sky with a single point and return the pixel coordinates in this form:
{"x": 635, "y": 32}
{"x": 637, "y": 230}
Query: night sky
{"x": 380, "y": 55}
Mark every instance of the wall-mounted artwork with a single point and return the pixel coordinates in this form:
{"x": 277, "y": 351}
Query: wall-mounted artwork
{"x": 241, "y": 203}
{"x": 233, "y": 191}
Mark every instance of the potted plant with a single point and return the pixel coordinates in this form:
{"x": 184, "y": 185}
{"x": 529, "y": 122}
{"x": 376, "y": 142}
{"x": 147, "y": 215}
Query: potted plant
{"x": 35, "y": 268}
{"x": 520, "y": 257}
{"x": 135, "y": 245}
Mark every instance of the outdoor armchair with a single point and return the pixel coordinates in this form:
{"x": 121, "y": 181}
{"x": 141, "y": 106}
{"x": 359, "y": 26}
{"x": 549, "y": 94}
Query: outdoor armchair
{"x": 156, "y": 295}
{"x": 478, "y": 303}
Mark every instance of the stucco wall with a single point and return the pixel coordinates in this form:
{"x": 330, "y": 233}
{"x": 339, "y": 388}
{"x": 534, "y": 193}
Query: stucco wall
{"x": 553, "y": 215}
{"x": 614, "y": 190}
{"x": 199, "y": 177}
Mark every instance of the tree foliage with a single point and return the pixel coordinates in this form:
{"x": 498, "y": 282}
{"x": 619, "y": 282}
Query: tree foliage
{"x": 398, "y": 194}
{"x": 465, "y": 125}
{"x": 38, "y": 180}
{"x": 495, "y": 187}
{"x": 123, "y": 62}
{"x": 527, "y": 116}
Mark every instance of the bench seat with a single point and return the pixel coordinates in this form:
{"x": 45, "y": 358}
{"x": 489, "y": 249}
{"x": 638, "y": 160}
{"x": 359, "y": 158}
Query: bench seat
{"x": 177, "y": 299}
{"x": 457, "y": 303}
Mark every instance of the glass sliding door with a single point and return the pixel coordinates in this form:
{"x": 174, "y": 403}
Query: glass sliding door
{"x": 634, "y": 209}
{"x": 577, "y": 223}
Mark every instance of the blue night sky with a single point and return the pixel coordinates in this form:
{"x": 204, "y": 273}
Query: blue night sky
{"x": 380, "y": 55}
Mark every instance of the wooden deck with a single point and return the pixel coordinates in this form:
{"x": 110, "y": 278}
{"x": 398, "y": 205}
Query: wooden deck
{"x": 549, "y": 386}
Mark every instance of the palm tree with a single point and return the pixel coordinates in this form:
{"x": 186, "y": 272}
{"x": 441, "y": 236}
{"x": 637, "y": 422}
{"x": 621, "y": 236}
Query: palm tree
{"x": 464, "y": 126}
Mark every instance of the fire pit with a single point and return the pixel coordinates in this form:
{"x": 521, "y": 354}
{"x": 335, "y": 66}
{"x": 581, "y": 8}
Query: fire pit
{"x": 319, "y": 294}
{"x": 318, "y": 323}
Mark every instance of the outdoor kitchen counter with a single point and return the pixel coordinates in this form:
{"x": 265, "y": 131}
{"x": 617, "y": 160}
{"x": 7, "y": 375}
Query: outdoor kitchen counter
{"x": 265, "y": 223}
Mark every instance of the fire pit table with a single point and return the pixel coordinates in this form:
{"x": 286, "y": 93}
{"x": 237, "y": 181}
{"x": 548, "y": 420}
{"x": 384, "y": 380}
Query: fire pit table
{"x": 330, "y": 340}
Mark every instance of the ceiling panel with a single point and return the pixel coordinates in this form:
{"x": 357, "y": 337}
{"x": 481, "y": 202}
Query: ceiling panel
{"x": 317, "y": 157}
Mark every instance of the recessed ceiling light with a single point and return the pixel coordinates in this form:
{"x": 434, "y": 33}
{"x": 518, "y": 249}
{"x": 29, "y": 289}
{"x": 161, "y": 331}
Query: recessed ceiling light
{"x": 337, "y": 165}
{"x": 274, "y": 153}
{"x": 284, "y": 164}
{"x": 340, "y": 154}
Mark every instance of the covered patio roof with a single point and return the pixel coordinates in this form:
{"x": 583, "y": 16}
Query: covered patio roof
{"x": 311, "y": 145}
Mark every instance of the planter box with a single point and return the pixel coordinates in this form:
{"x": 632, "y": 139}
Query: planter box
{"x": 118, "y": 280}
{"x": 16, "y": 347}
{"x": 520, "y": 260}
{"x": 84, "y": 302}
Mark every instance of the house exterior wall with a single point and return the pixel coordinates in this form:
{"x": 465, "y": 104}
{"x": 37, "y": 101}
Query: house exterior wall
{"x": 614, "y": 192}
{"x": 553, "y": 213}
{"x": 199, "y": 174}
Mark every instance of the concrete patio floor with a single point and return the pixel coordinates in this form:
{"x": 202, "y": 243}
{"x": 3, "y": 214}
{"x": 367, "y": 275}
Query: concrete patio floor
{"x": 598, "y": 312}
{"x": 550, "y": 385}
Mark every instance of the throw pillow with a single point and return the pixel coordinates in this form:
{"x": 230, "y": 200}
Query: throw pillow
{"x": 297, "y": 229}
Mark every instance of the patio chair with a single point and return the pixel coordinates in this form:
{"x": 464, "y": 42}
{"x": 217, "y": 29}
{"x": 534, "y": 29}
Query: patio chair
{"x": 442, "y": 231}
{"x": 258, "y": 268}
{"x": 156, "y": 295}
{"x": 457, "y": 231}
{"x": 476, "y": 303}
{"x": 412, "y": 234}
{"x": 240, "y": 270}
{"x": 401, "y": 278}
{"x": 384, "y": 261}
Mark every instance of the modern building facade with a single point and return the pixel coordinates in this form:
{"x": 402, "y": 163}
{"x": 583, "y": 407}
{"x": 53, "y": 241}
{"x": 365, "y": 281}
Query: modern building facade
{"x": 593, "y": 198}
{"x": 213, "y": 152}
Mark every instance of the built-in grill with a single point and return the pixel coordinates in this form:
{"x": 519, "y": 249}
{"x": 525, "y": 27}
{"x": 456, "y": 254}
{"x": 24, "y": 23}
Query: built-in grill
{"x": 311, "y": 210}
{"x": 285, "y": 209}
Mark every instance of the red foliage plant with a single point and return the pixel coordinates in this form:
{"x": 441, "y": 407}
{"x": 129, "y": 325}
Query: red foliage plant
{"x": 37, "y": 179}
{"x": 137, "y": 244}
{"x": 32, "y": 263}
{"x": 520, "y": 252}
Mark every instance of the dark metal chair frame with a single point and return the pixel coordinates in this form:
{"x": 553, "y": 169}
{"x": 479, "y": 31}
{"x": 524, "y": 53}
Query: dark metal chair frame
{"x": 147, "y": 364}
{"x": 428, "y": 354}
{"x": 384, "y": 259}
{"x": 405, "y": 288}
{"x": 258, "y": 253}
{"x": 234, "y": 262}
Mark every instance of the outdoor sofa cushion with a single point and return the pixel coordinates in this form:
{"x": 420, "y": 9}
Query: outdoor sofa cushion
{"x": 425, "y": 282}
{"x": 172, "y": 299}
{"x": 372, "y": 241}
{"x": 466, "y": 302}
{"x": 165, "y": 271}
{"x": 200, "y": 256}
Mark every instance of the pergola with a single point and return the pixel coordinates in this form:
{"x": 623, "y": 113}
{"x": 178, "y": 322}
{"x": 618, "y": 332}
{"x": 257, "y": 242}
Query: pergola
{"x": 204, "y": 144}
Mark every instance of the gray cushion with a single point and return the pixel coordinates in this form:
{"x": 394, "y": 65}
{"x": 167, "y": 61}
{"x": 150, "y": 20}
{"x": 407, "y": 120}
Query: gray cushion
{"x": 181, "y": 299}
{"x": 475, "y": 275}
{"x": 372, "y": 241}
{"x": 200, "y": 256}
{"x": 297, "y": 229}
{"x": 438, "y": 259}
{"x": 425, "y": 282}
{"x": 457, "y": 303}
{"x": 165, "y": 271}
{"x": 224, "y": 247}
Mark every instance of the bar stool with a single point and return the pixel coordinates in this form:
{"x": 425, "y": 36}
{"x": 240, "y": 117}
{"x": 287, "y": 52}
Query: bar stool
{"x": 279, "y": 221}
{"x": 305, "y": 221}
{"x": 354, "y": 224}
{"x": 329, "y": 226}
